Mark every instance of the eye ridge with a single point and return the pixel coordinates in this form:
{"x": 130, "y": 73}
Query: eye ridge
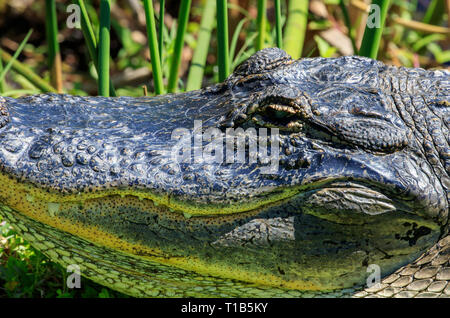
{"x": 263, "y": 61}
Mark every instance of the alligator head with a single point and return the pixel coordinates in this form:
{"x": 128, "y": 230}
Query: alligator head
{"x": 291, "y": 174}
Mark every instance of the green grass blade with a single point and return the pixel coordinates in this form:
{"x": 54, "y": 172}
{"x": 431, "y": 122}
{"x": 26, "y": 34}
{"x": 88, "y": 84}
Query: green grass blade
{"x": 235, "y": 37}
{"x": 223, "y": 58}
{"x": 2, "y": 81}
{"x": 294, "y": 35}
{"x": 197, "y": 68}
{"x": 372, "y": 34}
{"x": 104, "y": 48}
{"x": 425, "y": 40}
{"x": 278, "y": 26}
{"x": 435, "y": 12}
{"x": 348, "y": 24}
{"x": 54, "y": 56}
{"x": 179, "y": 43}
{"x": 88, "y": 32}
{"x": 25, "y": 71}
{"x": 261, "y": 24}
{"x": 16, "y": 54}
{"x": 441, "y": 56}
{"x": 245, "y": 52}
{"x": 20, "y": 92}
{"x": 153, "y": 46}
{"x": 162, "y": 5}
{"x": 90, "y": 39}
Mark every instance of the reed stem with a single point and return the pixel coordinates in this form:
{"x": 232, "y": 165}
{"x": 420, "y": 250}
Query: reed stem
{"x": 261, "y": 23}
{"x": 373, "y": 31}
{"x": 153, "y": 46}
{"x": 54, "y": 56}
{"x": 223, "y": 59}
{"x": 278, "y": 25}
{"x": 179, "y": 44}
{"x": 104, "y": 47}
{"x": 197, "y": 68}
{"x": 90, "y": 39}
{"x": 162, "y": 5}
{"x": 294, "y": 35}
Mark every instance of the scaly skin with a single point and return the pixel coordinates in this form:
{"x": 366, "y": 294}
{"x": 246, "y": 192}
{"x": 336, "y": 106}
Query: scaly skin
{"x": 363, "y": 179}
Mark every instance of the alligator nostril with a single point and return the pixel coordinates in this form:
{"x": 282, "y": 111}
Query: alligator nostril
{"x": 4, "y": 115}
{"x": 304, "y": 162}
{"x": 301, "y": 163}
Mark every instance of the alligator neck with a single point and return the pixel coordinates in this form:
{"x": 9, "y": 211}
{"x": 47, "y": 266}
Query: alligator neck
{"x": 426, "y": 113}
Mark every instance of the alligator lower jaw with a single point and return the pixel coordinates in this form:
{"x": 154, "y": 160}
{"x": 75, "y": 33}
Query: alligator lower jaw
{"x": 92, "y": 219}
{"x": 44, "y": 207}
{"x": 146, "y": 277}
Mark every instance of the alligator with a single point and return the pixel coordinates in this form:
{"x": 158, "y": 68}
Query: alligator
{"x": 317, "y": 176}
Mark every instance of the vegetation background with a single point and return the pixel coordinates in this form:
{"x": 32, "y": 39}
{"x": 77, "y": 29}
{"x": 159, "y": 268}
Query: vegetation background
{"x": 133, "y": 48}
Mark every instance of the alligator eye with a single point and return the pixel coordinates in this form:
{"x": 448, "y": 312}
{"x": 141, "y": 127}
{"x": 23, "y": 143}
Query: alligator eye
{"x": 263, "y": 61}
{"x": 283, "y": 117}
{"x": 279, "y": 114}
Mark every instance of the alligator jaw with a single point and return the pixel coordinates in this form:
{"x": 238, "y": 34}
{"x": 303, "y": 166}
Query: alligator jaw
{"x": 204, "y": 245}
{"x": 80, "y": 219}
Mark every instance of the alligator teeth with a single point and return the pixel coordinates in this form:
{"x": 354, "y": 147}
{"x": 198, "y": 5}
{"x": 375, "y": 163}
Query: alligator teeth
{"x": 283, "y": 108}
{"x": 295, "y": 125}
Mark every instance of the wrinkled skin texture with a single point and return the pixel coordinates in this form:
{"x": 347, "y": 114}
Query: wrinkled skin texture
{"x": 363, "y": 178}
